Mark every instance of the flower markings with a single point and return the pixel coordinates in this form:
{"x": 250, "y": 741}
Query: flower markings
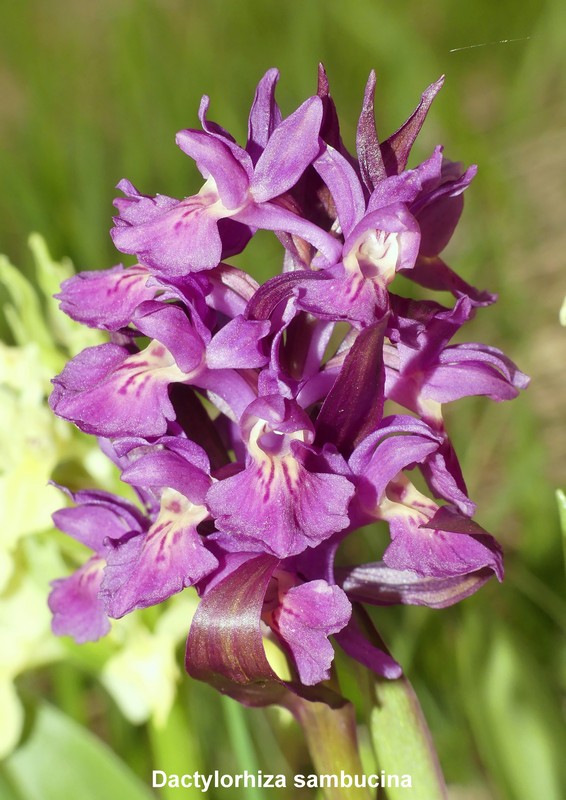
{"x": 110, "y": 391}
{"x": 147, "y": 568}
{"x": 260, "y": 425}
{"x": 106, "y": 298}
{"x": 276, "y": 502}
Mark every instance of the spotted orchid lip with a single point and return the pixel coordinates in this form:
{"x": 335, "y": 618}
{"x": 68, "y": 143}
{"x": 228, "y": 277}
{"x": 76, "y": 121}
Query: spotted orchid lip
{"x": 262, "y": 425}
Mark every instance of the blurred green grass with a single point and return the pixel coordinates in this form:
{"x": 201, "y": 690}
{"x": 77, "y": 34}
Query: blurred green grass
{"x": 95, "y": 92}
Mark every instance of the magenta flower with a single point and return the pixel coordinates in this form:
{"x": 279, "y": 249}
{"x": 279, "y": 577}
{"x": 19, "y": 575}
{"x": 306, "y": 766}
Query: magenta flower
{"x": 249, "y": 504}
{"x": 277, "y": 502}
{"x": 97, "y": 520}
{"x": 175, "y": 237}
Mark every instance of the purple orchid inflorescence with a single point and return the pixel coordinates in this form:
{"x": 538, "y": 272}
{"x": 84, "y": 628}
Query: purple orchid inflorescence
{"x": 262, "y": 425}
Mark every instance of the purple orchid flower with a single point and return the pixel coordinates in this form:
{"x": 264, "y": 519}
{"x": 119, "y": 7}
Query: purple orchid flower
{"x": 260, "y": 425}
{"x": 96, "y": 521}
{"x": 146, "y": 568}
{"x": 276, "y": 502}
{"x": 175, "y": 237}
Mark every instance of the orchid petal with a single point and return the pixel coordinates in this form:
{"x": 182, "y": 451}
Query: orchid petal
{"x": 401, "y": 230}
{"x": 272, "y": 217}
{"x": 97, "y": 517}
{"x": 344, "y": 186}
{"x": 367, "y": 143}
{"x": 448, "y": 382}
{"x": 292, "y": 146}
{"x": 409, "y": 185}
{"x": 308, "y": 615}
{"x": 146, "y": 569}
{"x": 279, "y": 506}
{"x": 214, "y": 159}
{"x": 165, "y": 468}
{"x": 357, "y": 646}
{"x": 216, "y": 131}
{"x": 396, "y": 148}
{"x": 172, "y": 237}
{"x": 238, "y": 345}
{"x": 445, "y": 546}
{"x": 439, "y": 210}
{"x": 108, "y": 392}
{"x": 106, "y": 298}
{"x": 388, "y": 459}
{"x": 265, "y": 115}
{"x": 379, "y": 585}
{"x": 169, "y": 325}
{"x": 353, "y": 407}
{"x": 76, "y": 607}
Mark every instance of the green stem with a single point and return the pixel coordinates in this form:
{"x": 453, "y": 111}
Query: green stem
{"x": 333, "y": 745}
{"x": 402, "y": 740}
{"x": 241, "y": 742}
{"x": 175, "y": 748}
{"x": 561, "y": 500}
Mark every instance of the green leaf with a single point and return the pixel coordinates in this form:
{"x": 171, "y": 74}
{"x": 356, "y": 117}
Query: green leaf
{"x": 24, "y": 313}
{"x": 516, "y": 722}
{"x": 175, "y": 748}
{"x": 241, "y": 742}
{"x": 6, "y": 790}
{"x": 49, "y": 275}
{"x": 61, "y": 759}
{"x": 398, "y": 730}
{"x": 561, "y": 500}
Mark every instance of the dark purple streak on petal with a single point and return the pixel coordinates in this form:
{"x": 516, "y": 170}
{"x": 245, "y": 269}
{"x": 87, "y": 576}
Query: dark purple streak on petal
{"x": 379, "y": 585}
{"x": 354, "y": 406}
{"x": 367, "y": 143}
{"x": 395, "y": 150}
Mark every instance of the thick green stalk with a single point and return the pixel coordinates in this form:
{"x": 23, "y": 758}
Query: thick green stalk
{"x": 175, "y": 748}
{"x": 333, "y": 745}
{"x": 402, "y": 741}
